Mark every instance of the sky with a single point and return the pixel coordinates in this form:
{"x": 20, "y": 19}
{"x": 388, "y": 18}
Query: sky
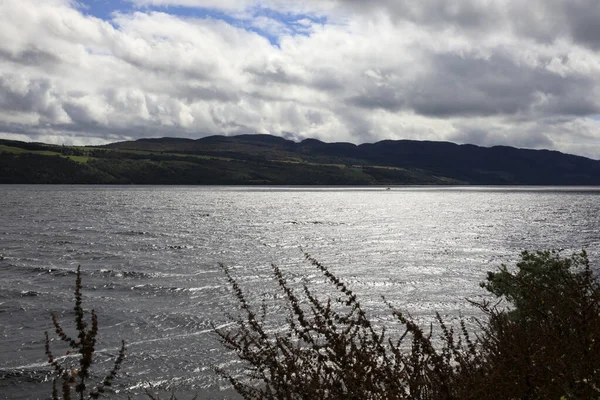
{"x": 523, "y": 73}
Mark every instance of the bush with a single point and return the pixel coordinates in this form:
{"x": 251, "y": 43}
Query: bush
{"x": 547, "y": 345}
{"x": 331, "y": 350}
{"x": 542, "y": 344}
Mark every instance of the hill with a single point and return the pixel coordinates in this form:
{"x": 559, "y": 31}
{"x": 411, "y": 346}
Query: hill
{"x": 265, "y": 159}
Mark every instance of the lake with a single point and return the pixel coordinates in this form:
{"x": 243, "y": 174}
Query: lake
{"x": 150, "y": 261}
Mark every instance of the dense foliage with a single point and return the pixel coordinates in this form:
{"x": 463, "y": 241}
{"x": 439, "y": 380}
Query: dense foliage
{"x": 540, "y": 343}
{"x": 548, "y": 344}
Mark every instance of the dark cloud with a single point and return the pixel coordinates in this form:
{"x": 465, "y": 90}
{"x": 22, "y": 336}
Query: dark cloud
{"x": 473, "y": 15}
{"x": 382, "y": 97}
{"x": 488, "y": 138}
{"x": 194, "y": 93}
{"x": 551, "y": 20}
{"x": 272, "y": 74}
{"x": 583, "y": 18}
{"x": 542, "y": 20}
{"x": 31, "y": 57}
{"x": 37, "y": 95}
{"x": 199, "y": 71}
{"x": 469, "y": 84}
{"x": 80, "y": 115}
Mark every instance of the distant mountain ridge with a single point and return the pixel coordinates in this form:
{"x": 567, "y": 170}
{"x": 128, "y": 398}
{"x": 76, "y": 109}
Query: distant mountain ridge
{"x": 468, "y": 163}
{"x": 266, "y": 159}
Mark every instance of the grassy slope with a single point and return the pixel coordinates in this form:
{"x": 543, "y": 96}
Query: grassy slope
{"x": 161, "y": 163}
{"x": 17, "y": 150}
{"x": 264, "y": 159}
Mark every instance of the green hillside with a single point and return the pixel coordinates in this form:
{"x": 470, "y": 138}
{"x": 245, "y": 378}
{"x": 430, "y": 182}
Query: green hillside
{"x": 270, "y": 160}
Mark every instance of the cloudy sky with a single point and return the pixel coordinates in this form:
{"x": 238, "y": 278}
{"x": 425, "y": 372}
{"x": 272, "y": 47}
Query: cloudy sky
{"x": 524, "y": 73}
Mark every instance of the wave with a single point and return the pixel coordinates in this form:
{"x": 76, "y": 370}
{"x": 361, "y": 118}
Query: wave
{"x": 148, "y": 287}
{"x": 30, "y": 293}
{"x": 123, "y": 274}
{"x": 180, "y": 336}
{"x": 54, "y": 271}
{"x": 329, "y": 223}
{"x": 139, "y": 233}
{"x": 13, "y": 294}
{"x": 33, "y": 270}
{"x": 132, "y": 233}
{"x": 34, "y": 373}
{"x": 58, "y": 271}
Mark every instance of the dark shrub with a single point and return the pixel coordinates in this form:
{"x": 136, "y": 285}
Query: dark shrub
{"x": 542, "y": 345}
{"x": 547, "y": 345}
{"x": 332, "y": 350}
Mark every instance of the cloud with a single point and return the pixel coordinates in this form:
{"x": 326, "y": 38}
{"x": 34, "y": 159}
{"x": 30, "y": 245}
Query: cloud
{"x": 540, "y": 19}
{"x": 486, "y": 72}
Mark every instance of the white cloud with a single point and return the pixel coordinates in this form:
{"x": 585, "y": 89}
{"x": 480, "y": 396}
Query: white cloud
{"x": 479, "y": 71}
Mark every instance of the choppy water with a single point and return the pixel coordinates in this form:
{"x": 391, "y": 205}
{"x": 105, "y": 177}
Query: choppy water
{"x": 150, "y": 255}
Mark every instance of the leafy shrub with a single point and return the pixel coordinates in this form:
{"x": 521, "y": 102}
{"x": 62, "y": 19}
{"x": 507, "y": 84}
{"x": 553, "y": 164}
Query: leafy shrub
{"x": 543, "y": 344}
{"x": 547, "y": 344}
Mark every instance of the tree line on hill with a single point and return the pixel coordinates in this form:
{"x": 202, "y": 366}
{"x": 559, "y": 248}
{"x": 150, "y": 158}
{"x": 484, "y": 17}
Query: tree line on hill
{"x": 269, "y": 160}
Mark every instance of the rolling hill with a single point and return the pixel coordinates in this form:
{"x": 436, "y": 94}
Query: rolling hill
{"x": 271, "y": 160}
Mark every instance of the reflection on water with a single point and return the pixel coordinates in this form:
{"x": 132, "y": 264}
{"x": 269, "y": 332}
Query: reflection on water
{"x": 150, "y": 258}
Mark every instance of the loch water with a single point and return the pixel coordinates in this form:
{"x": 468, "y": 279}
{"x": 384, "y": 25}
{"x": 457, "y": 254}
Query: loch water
{"x": 150, "y": 259}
